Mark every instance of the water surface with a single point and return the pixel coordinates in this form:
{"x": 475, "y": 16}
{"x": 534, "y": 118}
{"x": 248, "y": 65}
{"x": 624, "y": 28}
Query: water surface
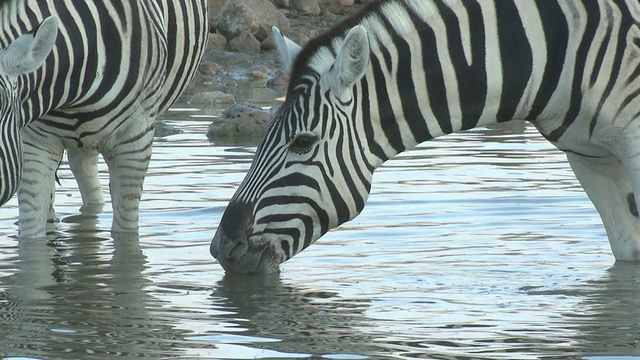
{"x": 478, "y": 245}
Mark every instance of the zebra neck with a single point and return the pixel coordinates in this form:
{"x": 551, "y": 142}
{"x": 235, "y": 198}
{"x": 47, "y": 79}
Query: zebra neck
{"x": 439, "y": 67}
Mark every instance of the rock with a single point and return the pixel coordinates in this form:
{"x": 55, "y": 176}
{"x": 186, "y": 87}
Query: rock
{"x": 258, "y": 72}
{"x": 214, "y": 8}
{"x": 209, "y": 69}
{"x": 260, "y": 94}
{"x": 268, "y": 44}
{"x": 224, "y": 58}
{"x": 263, "y": 32}
{"x": 211, "y": 98}
{"x": 217, "y": 42}
{"x": 283, "y": 4}
{"x": 337, "y": 6}
{"x": 201, "y": 80}
{"x": 245, "y": 43}
{"x": 241, "y": 121}
{"x": 253, "y": 16}
{"x": 306, "y": 7}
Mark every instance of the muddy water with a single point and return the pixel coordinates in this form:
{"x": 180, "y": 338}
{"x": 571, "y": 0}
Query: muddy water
{"x": 476, "y": 245}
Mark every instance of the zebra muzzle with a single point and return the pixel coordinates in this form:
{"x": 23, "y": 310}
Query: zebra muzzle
{"x": 225, "y": 247}
{"x": 236, "y": 255}
{"x": 232, "y": 247}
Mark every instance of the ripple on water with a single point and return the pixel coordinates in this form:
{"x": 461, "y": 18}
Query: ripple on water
{"x": 476, "y": 245}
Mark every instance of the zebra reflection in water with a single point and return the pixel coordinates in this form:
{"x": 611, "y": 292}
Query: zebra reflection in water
{"x": 83, "y": 297}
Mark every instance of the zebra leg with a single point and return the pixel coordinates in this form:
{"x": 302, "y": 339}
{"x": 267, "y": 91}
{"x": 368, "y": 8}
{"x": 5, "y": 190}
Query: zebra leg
{"x": 128, "y": 160}
{"x": 609, "y": 187}
{"x": 84, "y": 165}
{"x": 35, "y": 193}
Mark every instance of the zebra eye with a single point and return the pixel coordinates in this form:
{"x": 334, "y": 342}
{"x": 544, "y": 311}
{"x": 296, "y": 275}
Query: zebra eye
{"x": 302, "y": 143}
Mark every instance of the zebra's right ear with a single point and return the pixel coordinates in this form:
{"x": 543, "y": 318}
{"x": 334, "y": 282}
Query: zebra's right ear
{"x": 28, "y": 52}
{"x": 288, "y": 49}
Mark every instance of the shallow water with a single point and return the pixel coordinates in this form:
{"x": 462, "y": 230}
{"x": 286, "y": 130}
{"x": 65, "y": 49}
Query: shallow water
{"x": 476, "y": 245}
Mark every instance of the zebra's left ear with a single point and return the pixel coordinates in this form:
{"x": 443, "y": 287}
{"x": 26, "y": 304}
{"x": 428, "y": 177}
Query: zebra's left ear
{"x": 351, "y": 62}
{"x": 288, "y": 49}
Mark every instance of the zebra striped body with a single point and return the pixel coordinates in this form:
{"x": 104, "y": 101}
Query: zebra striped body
{"x": 405, "y": 71}
{"x": 115, "y": 66}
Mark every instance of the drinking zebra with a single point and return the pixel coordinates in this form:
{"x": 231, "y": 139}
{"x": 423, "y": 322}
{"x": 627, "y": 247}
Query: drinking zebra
{"x": 404, "y": 71}
{"x": 114, "y": 66}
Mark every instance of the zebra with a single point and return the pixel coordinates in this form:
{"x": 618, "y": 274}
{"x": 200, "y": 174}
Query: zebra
{"x": 401, "y": 72}
{"x": 113, "y": 68}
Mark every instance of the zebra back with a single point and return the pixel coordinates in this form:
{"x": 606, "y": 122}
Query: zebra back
{"x": 62, "y": 84}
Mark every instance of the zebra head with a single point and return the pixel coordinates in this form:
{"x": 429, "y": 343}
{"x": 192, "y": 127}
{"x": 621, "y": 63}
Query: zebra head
{"x": 311, "y": 171}
{"x": 24, "y": 55}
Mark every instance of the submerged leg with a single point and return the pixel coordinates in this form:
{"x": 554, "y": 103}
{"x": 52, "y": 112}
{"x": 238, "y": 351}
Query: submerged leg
{"x": 35, "y": 193}
{"x": 128, "y": 160}
{"x": 608, "y": 185}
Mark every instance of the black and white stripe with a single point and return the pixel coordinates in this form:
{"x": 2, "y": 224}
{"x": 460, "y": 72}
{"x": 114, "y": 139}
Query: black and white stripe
{"x": 405, "y": 71}
{"x": 114, "y": 67}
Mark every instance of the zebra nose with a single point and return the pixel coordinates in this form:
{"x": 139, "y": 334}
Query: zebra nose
{"x": 228, "y": 247}
{"x": 231, "y": 240}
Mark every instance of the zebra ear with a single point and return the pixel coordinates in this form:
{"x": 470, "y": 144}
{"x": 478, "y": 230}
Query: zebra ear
{"x": 28, "y": 52}
{"x": 351, "y": 62}
{"x": 288, "y": 49}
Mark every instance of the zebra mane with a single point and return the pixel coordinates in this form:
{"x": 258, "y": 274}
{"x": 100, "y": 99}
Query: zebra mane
{"x": 380, "y": 18}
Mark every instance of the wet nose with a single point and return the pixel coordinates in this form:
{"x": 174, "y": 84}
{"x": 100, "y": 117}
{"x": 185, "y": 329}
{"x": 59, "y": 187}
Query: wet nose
{"x": 228, "y": 247}
{"x": 231, "y": 240}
